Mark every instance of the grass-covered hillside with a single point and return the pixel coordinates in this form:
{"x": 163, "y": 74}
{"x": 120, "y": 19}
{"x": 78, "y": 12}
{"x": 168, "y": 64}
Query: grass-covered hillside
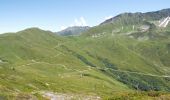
{"x": 34, "y": 62}
{"x": 124, "y": 59}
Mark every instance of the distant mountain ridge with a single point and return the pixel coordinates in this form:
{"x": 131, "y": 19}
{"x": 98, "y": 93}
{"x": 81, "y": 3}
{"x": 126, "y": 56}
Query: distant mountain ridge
{"x": 139, "y": 17}
{"x": 149, "y": 25}
{"x": 75, "y": 30}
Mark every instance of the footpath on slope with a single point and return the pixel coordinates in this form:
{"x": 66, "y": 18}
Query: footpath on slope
{"x": 64, "y": 66}
{"x": 139, "y": 73}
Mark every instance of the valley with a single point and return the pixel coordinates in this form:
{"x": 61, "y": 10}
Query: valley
{"x": 125, "y": 57}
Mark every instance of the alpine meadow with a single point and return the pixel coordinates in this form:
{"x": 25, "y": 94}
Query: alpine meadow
{"x": 125, "y": 57}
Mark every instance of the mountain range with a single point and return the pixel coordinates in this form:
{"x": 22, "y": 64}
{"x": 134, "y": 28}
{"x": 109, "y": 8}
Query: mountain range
{"x": 75, "y": 30}
{"x": 125, "y": 57}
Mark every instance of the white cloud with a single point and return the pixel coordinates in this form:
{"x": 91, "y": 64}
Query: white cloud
{"x": 80, "y": 22}
{"x": 63, "y": 27}
{"x": 83, "y": 21}
{"x": 77, "y": 22}
{"x": 108, "y": 17}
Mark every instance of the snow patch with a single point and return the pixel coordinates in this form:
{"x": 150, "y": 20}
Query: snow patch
{"x": 164, "y": 22}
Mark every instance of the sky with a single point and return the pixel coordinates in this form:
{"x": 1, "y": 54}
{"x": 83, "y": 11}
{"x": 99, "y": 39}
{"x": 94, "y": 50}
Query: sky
{"x": 55, "y": 15}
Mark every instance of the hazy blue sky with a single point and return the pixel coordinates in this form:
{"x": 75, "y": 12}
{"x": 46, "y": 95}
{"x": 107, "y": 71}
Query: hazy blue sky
{"x": 55, "y": 15}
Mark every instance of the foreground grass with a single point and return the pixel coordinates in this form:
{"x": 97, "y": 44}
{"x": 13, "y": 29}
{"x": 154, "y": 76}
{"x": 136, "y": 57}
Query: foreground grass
{"x": 31, "y": 65}
{"x": 138, "y": 95}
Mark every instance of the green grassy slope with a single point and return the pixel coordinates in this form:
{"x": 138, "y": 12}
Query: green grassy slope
{"x": 121, "y": 54}
{"x": 33, "y": 61}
